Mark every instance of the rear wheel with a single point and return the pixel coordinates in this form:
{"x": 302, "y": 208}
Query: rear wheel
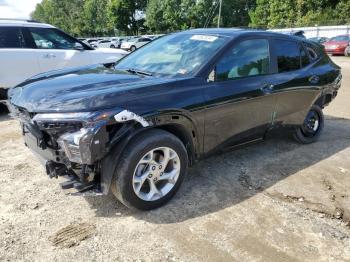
{"x": 133, "y": 48}
{"x": 312, "y": 127}
{"x": 151, "y": 170}
{"x": 112, "y": 46}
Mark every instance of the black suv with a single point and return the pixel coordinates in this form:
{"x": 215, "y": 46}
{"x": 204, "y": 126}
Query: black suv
{"x": 135, "y": 128}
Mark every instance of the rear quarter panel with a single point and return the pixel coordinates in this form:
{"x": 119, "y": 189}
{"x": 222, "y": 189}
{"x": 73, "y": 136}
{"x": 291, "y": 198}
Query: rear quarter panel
{"x": 296, "y": 94}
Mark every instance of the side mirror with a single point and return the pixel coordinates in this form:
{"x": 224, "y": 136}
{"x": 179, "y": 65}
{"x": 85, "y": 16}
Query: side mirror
{"x": 212, "y": 76}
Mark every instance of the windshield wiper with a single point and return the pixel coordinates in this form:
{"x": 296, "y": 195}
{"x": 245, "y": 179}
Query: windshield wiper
{"x": 139, "y": 72}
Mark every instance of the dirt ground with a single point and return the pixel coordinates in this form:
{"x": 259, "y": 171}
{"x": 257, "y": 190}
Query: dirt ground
{"x": 274, "y": 201}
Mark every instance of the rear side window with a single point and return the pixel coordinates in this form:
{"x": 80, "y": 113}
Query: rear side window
{"x": 144, "y": 40}
{"x": 11, "y": 37}
{"x": 247, "y": 58}
{"x": 304, "y": 57}
{"x": 288, "y": 55}
{"x": 313, "y": 51}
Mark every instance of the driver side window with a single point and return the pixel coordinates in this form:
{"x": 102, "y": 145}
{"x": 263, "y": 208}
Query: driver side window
{"x": 247, "y": 58}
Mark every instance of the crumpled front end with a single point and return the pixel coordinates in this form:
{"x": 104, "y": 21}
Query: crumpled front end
{"x": 73, "y": 145}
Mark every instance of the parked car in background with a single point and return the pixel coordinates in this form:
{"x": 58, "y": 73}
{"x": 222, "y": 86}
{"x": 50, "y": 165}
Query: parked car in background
{"x": 134, "y": 129}
{"x": 117, "y": 41}
{"x": 28, "y": 48}
{"x": 337, "y": 45}
{"x": 135, "y": 43}
{"x": 319, "y": 40}
{"x": 107, "y": 44}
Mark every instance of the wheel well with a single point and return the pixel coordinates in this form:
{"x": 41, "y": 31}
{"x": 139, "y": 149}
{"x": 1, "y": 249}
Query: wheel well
{"x": 110, "y": 161}
{"x": 323, "y": 100}
{"x": 186, "y": 138}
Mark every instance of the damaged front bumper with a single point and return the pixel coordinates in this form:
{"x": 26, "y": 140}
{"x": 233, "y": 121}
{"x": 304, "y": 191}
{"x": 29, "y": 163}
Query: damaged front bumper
{"x": 74, "y": 145}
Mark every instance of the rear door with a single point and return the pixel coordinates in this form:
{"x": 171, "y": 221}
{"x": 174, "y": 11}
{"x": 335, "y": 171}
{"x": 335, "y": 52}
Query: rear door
{"x": 296, "y": 82}
{"x": 57, "y": 50}
{"x": 240, "y": 101}
{"x": 18, "y": 62}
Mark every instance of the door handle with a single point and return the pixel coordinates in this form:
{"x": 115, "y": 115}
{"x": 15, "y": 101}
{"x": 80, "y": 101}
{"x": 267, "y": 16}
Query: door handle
{"x": 49, "y": 56}
{"x": 314, "y": 79}
{"x": 267, "y": 89}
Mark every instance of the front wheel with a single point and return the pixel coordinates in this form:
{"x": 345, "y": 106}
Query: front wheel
{"x": 133, "y": 48}
{"x": 312, "y": 127}
{"x": 150, "y": 171}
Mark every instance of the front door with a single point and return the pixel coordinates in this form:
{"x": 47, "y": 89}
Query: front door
{"x": 56, "y": 50}
{"x": 240, "y": 99}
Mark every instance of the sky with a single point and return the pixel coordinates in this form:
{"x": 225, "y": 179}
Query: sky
{"x": 17, "y": 8}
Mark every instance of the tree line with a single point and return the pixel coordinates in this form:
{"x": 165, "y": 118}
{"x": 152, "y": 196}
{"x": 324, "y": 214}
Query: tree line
{"x": 130, "y": 17}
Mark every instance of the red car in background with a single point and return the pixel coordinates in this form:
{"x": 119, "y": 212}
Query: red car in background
{"x": 337, "y": 45}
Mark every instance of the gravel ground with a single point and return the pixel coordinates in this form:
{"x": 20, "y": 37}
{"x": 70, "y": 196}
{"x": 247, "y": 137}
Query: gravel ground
{"x": 274, "y": 201}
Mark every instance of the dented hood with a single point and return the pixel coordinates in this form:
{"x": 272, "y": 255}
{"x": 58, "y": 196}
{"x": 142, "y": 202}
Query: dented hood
{"x": 82, "y": 89}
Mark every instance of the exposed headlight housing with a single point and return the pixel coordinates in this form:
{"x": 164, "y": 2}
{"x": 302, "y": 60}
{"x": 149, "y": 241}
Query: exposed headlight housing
{"x": 70, "y": 142}
{"x": 79, "y": 145}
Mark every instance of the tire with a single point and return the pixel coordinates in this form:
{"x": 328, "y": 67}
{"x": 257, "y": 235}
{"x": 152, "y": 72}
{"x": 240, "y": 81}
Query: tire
{"x": 3, "y": 93}
{"x": 112, "y": 46}
{"x": 312, "y": 127}
{"x": 132, "y": 48}
{"x": 347, "y": 51}
{"x": 124, "y": 186}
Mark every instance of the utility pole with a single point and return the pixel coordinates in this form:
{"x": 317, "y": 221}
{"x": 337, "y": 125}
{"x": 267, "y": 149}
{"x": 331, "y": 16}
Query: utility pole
{"x": 219, "y": 18}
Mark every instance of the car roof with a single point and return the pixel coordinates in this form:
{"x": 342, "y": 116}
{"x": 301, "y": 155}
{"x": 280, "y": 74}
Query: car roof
{"x": 23, "y": 23}
{"x": 235, "y": 32}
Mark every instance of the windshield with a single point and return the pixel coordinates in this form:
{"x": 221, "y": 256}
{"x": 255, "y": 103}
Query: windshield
{"x": 173, "y": 55}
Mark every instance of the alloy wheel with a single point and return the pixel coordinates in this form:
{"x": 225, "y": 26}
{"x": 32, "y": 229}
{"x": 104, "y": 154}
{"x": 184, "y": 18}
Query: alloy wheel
{"x": 156, "y": 174}
{"x": 311, "y": 124}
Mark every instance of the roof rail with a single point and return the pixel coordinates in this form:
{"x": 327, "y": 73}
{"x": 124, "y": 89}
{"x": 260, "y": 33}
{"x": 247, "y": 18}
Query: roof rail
{"x": 23, "y": 20}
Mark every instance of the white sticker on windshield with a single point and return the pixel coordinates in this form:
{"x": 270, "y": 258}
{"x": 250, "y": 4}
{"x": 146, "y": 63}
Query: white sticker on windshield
{"x": 207, "y": 38}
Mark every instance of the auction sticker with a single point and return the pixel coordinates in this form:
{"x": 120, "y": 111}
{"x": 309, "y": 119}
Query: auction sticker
{"x": 207, "y": 38}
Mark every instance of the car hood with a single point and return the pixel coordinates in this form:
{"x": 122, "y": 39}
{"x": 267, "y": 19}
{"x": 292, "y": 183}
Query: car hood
{"x": 82, "y": 89}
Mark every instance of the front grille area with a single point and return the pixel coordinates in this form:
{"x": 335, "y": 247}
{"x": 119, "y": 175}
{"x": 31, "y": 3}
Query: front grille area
{"x": 58, "y": 128}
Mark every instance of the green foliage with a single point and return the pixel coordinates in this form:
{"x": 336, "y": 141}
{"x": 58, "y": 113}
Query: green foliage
{"x": 123, "y": 14}
{"x": 290, "y": 13}
{"x": 172, "y": 15}
{"x": 65, "y": 14}
{"x": 95, "y": 20}
{"x": 108, "y": 17}
{"x": 91, "y": 17}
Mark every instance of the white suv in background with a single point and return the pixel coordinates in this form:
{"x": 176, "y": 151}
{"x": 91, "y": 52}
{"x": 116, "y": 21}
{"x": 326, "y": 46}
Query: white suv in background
{"x": 28, "y": 48}
{"x": 135, "y": 43}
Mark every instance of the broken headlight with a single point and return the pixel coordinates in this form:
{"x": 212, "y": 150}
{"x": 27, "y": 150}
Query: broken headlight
{"x": 80, "y": 144}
